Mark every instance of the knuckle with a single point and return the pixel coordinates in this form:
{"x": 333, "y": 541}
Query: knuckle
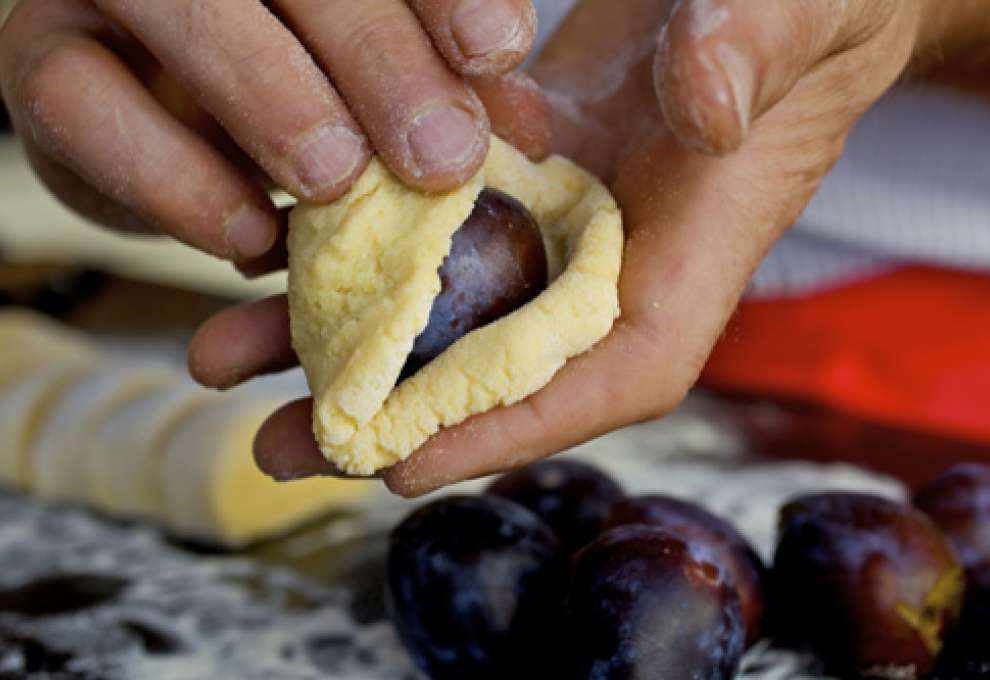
{"x": 200, "y": 19}
{"x": 382, "y": 26}
{"x": 254, "y": 58}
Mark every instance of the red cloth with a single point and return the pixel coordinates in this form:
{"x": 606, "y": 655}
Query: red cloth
{"x": 910, "y": 348}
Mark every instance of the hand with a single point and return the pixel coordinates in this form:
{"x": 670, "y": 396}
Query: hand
{"x": 299, "y": 93}
{"x": 713, "y": 144}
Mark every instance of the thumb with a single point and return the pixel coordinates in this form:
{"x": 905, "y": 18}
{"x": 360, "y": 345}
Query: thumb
{"x": 721, "y": 64}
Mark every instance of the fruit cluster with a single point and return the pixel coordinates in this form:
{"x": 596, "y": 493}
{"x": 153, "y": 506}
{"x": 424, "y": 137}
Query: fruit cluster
{"x": 555, "y": 573}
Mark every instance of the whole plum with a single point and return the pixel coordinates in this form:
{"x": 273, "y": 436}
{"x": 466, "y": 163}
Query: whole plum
{"x": 475, "y": 588}
{"x": 497, "y": 263}
{"x": 868, "y": 584}
{"x": 644, "y": 603}
{"x": 958, "y": 501}
{"x": 966, "y": 655}
{"x": 694, "y": 523}
{"x": 572, "y": 497}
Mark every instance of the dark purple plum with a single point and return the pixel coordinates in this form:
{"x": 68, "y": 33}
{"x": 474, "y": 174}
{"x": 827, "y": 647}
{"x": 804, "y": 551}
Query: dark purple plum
{"x": 958, "y": 501}
{"x": 967, "y": 651}
{"x": 573, "y": 498}
{"x": 475, "y": 587}
{"x": 868, "y": 584}
{"x": 644, "y": 603}
{"x": 497, "y": 263}
{"x": 696, "y": 525}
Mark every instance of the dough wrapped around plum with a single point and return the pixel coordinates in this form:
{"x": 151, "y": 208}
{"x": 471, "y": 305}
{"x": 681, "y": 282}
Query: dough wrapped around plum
{"x": 363, "y": 278}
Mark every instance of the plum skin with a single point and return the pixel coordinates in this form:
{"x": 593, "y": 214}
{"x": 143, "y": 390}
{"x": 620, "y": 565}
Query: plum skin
{"x": 474, "y": 584}
{"x": 572, "y": 497}
{"x": 966, "y": 655}
{"x": 867, "y": 584}
{"x": 958, "y": 501}
{"x": 694, "y": 523}
{"x": 497, "y": 263}
{"x": 644, "y": 603}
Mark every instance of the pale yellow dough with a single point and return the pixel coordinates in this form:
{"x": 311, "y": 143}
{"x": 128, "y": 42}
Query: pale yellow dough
{"x": 363, "y": 277}
{"x": 29, "y": 340}
{"x": 137, "y": 440}
{"x": 211, "y": 486}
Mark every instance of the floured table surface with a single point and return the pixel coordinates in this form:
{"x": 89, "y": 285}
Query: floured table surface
{"x": 84, "y": 598}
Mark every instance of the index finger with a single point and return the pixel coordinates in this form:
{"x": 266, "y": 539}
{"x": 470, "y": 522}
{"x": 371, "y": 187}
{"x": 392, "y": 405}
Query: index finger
{"x": 479, "y": 37}
{"x": 258, "y": 81}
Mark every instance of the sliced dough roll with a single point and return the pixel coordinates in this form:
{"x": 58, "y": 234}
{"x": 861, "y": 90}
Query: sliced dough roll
{"x": 31, "y": 333}
{"x": 125, "y": 462}
{"x": 58, "y": 459}
{"x": 26, "y": 402}
{"x": 27, "y": 338}
{"x": 213, "y": 489}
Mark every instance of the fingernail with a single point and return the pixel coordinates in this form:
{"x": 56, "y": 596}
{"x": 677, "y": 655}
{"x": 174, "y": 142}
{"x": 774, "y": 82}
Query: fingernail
{"x": 484, "y": 26}
{"x": 325, "y": 157}
{"x": 249, "y": 232}
{"x": 738, "y": 70}
{"x": 443, "y": 139}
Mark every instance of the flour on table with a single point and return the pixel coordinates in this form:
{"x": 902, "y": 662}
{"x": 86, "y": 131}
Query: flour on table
{"x": 176, "y": 614}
